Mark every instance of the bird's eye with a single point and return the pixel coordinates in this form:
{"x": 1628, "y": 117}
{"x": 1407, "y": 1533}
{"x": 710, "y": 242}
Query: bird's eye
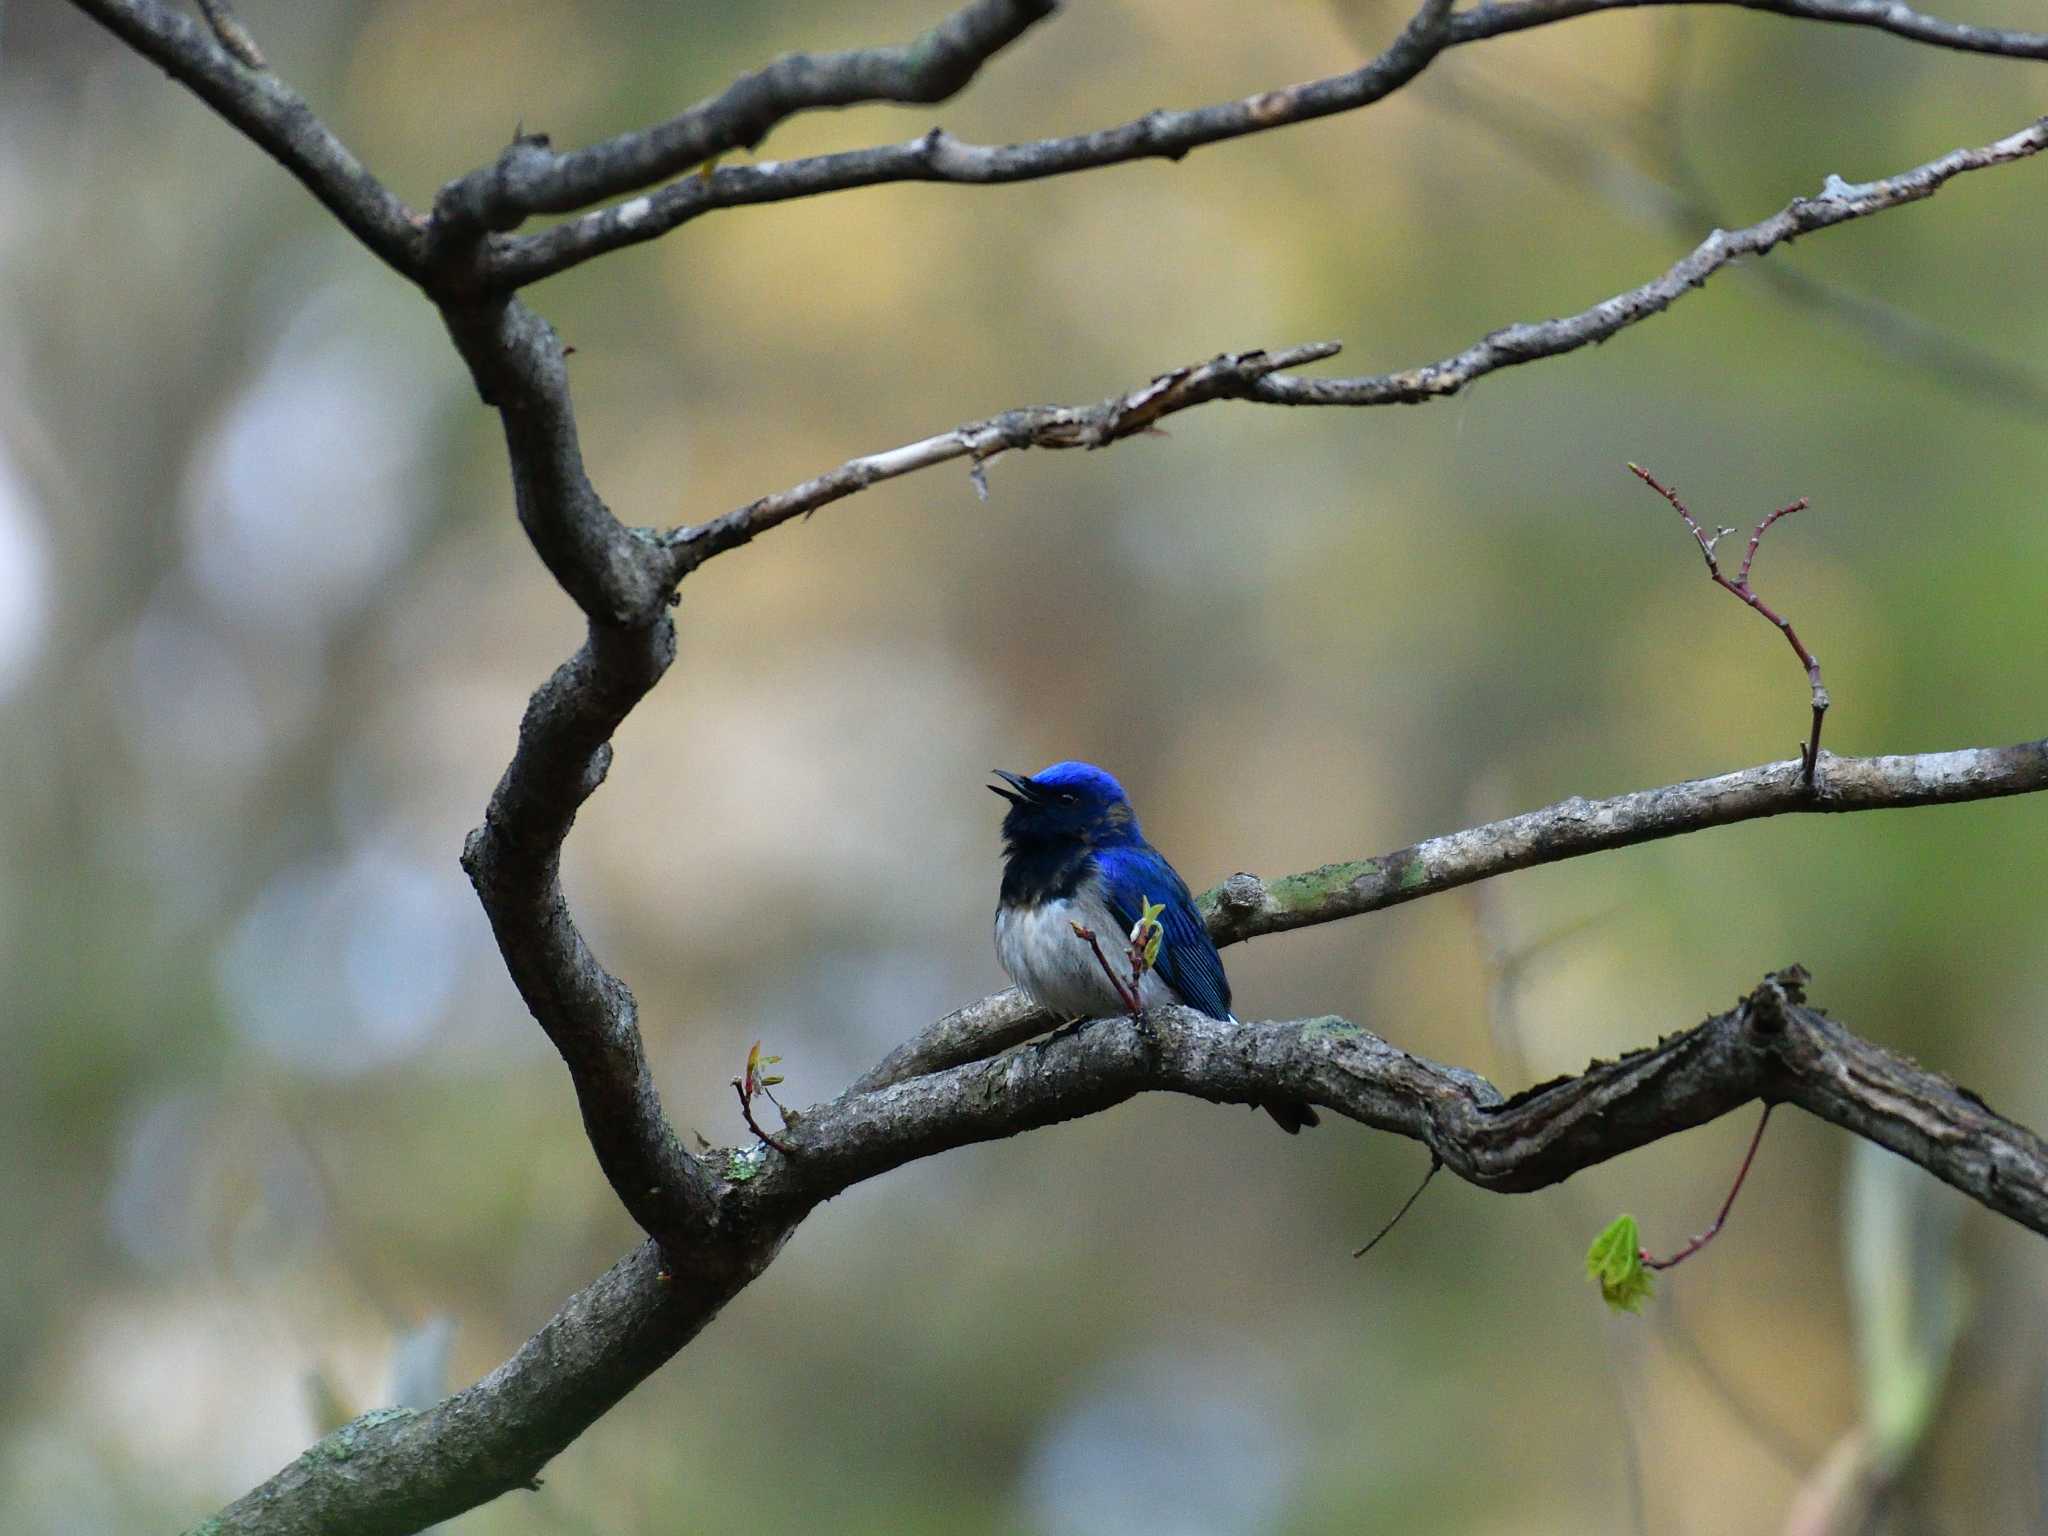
{"x": 1067, "y": 799}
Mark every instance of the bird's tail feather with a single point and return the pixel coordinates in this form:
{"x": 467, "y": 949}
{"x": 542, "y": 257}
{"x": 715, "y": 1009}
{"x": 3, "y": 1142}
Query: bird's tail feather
{"x": 1292, "y": 1116}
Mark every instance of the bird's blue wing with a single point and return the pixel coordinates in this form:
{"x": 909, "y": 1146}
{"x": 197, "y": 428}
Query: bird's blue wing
{"x": 1188, "y": 962}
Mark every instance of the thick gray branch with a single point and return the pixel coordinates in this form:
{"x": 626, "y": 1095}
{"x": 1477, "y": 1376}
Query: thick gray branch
{"x": 1768, "y": 1046}
{"x": 514, "y": 860}
{"x": 938, "y": 156}
{"x": 614, "y": 573}
{"x": 393, "y": 1472}
{"x": 1246, "y": 907}
{"x": 275, "y": 118}
{"x": 387, "y": 1475}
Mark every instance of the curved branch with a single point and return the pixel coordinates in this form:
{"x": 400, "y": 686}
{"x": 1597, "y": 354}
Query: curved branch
{"x": 389, "y": 1474}
{"x": 1893, "y": 16}
{"x": 1246, "y": 907}
{"x": 1837, "y": 203}
{"x": 1770, "y": 1045}
{"x": 530, "y": 178}
{"x": 938, "y": 156}
{"x": 612, "y": 572}
{"x": 276, "y": 119}
{"x": 1257, "y": 376}
{"x": 514, "y": 861}
{"x": 1232, "y": 376}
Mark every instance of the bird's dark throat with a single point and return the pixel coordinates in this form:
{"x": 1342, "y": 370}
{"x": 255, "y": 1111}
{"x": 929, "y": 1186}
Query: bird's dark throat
{"x": 1037, "y": 872}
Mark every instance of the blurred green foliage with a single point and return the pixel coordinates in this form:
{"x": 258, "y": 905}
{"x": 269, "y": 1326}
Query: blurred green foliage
{"x": 271, "y": 1105}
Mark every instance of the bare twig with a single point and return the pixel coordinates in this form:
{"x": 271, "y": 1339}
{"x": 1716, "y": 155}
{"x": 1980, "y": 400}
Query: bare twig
{"x": 1232, "y": 376}
{"x": 1128, "y": 995}
{"x": 1435, "y": 1164}
{"x": 1701, "y": 1240}
{"x": 1671, "y": 193}
{"x": 747, "y": 1113}
{"x": 1893, "y": 16}
{"x": 1809, "y": 755}
{"x": 1836, "y": 203}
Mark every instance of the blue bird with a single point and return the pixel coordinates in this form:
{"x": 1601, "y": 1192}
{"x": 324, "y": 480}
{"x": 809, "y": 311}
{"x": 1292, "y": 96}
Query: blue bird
{"x": 1073, "y": 853}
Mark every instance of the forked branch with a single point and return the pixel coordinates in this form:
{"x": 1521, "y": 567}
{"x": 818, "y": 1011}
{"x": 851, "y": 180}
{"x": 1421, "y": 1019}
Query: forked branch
{"x": 1809, "y": 755}
{"x": 937, "y": 156}
{"x": 1261, "y": 376}
{"x": 393, "y": 1473}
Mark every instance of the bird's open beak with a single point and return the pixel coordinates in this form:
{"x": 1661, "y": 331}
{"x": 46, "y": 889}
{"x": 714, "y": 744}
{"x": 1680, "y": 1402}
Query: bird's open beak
{"x": 1025, "y": 789}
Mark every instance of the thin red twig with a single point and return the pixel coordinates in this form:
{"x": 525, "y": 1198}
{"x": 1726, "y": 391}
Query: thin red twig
{"x": 1809, "y": 755}
{"x": 1127, "y": 995}
{"x": 747, "y": 1112}
{"x": 1727, "y": 1205}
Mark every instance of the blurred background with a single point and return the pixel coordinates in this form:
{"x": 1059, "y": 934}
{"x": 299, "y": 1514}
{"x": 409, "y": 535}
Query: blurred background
{"x": 279, "y": 1141}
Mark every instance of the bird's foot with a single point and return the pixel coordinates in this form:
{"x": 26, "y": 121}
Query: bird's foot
{"x": 1066, "y": 1031}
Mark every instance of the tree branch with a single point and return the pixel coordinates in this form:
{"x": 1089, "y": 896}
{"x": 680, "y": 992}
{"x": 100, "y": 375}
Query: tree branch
{"x": 530, "y": 178}
{"x": 386, "y": 1475}
{"x": 1837, "y": 203}
{"x": 1229, "y": 377}
{"x": 1246, "y": 907}
{"x": 1893, "y": 16}
{"x": 276, "y": 119}
{"x": 1676, "y": 197}
{"x": 514, "y": 861}
{"x": 615, "y": 574}
{"x": 938, "y": 156}
{"x": 1258, "y": 376}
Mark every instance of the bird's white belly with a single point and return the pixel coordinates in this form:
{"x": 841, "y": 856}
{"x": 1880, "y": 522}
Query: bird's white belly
{"x": 1044, "y": 956}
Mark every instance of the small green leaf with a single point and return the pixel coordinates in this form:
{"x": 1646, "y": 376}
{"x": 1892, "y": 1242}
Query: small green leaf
{"x": 1146, "y": 934}
{"x": 772, "y": 1078}
{"x": 1616, "y": 1261}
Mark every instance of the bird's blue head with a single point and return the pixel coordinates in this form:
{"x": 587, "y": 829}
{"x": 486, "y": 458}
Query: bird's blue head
{"x": 1066, "y": 804}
